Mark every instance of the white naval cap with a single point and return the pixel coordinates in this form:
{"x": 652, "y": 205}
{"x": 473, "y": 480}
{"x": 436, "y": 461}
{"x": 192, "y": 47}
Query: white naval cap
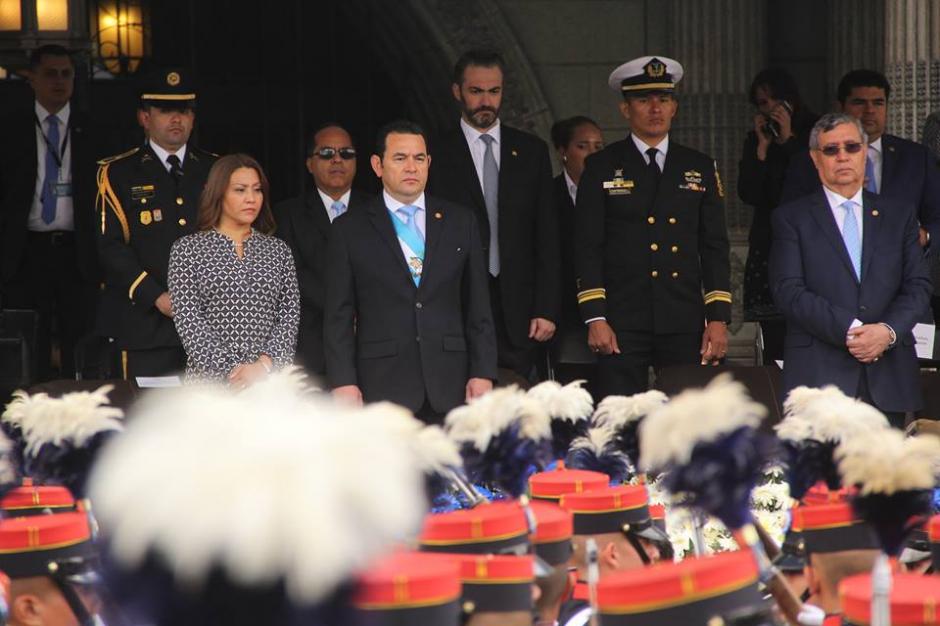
{"x": 646, "y": 74}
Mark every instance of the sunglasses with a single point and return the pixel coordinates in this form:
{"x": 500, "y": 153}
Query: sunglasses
{"x": 328, "y": 153}
{"x": 850, "y": 147}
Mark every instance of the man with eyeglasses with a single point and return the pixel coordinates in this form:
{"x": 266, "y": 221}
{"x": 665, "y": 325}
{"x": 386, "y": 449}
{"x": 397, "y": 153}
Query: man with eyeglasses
{"x": 849, "y": 276}
{"x": 304, "y": 223}
{"x": 47, "y": 250}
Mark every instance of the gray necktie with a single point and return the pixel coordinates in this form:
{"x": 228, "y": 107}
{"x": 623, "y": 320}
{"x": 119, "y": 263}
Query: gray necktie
{"x": 491, "y": 197}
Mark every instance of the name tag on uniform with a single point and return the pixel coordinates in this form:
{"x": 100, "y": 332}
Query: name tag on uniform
{"x": 61, "y": 190}
{"x": 142, "y": 191}
{"x": 618, "y": 186}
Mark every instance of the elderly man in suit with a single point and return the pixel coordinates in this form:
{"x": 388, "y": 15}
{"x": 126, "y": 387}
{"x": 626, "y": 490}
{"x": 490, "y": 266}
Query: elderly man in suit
{"x": 48, "y": 261}
{"x": 304, "y": 223}
{"x": 505, "y": 176}
{"x": 847, "y": 272}
{"x": 407, "y": 316}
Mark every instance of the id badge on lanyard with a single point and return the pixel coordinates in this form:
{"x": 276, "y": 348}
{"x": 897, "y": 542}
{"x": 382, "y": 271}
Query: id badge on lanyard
{"x": 60, "y": 188}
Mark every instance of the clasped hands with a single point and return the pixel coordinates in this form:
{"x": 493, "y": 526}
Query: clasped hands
{"x": 868, "y": 342}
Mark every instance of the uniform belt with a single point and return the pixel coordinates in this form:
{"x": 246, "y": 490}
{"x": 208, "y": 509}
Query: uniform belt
{"x": 54, "y": 238}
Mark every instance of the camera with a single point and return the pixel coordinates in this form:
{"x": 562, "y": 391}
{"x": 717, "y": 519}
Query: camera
{"x": 771, "y": 128}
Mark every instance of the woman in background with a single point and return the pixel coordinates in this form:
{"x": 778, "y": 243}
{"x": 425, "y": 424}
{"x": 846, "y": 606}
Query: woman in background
{"x": 232, "y": 284}
{"x": 781, "y": 126}
{"x": 575, "y": 139}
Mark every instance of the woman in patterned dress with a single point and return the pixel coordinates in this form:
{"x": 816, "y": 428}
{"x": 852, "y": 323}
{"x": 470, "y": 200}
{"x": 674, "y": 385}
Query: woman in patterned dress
{"x": 232, "y": 284}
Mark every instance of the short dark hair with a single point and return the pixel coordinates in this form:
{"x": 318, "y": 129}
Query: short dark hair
{"x": 780, "y": 85}
{"x": 563, "y": 130}
{"x": 312, "y": 136}
{"x": 862, "y": 78}
{"x": 477, "y": 58}
{"x": 403, "y": 127}
{"x": 49, "y": 49}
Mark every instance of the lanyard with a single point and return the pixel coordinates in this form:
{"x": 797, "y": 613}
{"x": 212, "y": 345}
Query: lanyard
{"x": 57, "y": 154}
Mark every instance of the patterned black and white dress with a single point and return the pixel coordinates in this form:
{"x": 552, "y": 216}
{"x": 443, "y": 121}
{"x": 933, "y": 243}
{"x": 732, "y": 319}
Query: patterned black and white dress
{"x": 230, "y": 310}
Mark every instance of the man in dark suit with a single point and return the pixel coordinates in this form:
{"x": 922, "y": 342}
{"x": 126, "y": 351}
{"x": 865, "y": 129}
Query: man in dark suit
{"x": 148, "y": 198}
{"x": 895, "y": 167}
{"x": 48, "y": 261}
{"x": 847, "y": 272}
{"x": 407, "y": 315}
{"x": 652, "y": 246}
{"x": 304, "y": 223}
{"x": 505, "y": 176}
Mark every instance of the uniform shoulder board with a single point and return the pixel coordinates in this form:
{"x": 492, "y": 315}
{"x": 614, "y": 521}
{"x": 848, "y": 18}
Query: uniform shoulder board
{"x": 117, "y": 157}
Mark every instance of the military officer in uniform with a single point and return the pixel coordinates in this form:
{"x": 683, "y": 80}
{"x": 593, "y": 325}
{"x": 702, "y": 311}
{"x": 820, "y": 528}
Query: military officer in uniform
{"x": 148, "y": 197}
{"x": 652, "y": 250}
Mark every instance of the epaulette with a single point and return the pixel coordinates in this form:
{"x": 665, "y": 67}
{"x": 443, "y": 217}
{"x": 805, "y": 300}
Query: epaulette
{"x": 117, "y": 157}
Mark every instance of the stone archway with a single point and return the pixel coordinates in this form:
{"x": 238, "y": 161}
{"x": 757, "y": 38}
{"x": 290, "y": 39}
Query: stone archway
{"x": 420, "y": 40}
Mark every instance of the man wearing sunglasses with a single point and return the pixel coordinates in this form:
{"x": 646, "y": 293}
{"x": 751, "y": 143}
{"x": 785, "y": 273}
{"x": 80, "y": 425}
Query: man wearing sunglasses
{"x": 304, "y": 223}
{"x": 894, "y": 166}
{"x": 849, "y": 276}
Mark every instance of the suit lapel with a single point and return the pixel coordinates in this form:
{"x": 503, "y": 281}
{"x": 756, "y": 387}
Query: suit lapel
{"x": 871, "y": 227}
{"x": 822, "y": 213}
{"x": 889, "y": 162}
{"x": 508, "y": 169}
{"x": 433, "y": 227}
{"x": 382, "y": 221}
{"x": 314, "y": 214}
{"x": 465, "y": 161}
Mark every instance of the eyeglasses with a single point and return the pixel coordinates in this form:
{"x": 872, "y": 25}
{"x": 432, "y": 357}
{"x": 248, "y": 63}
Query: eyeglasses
{"x": 850, "y": 147}
{"x": 328, "y": 153}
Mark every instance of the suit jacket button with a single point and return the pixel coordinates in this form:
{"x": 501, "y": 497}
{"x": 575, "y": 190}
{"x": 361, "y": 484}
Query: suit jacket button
{"x": 672, "y": 220}
{"x": 651, "y": 219}
{"x": 675, "y": 248}
{"x": 182, "y": 221}
{"x": 179, "y": 201}
{"x": 418, "y": 305}
{"x": 654, "y": 247}
{"x": 675, "y": 274}
{"x": 654, "y": 273}
{"x": 863, "y": 308}
{"x": 418, "y": 339}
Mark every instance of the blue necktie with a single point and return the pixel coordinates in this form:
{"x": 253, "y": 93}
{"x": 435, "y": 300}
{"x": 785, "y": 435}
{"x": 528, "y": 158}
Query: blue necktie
{"x": 870, "y": 182}
{"x": 338, "y": 208}
{"x": 49, "y": 197}
{"x": 853, "y": 243}
{"x": 413, "y": 238}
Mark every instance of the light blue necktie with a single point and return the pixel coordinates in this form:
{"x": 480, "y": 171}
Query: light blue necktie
{"x": 412, "y": 236}
{"x": 853, "y": 243}
{"x": 338, "y": 208}
{"x": 49, "y": 196}
{"x": 491, "y": 199}
{"x": 870, "y": 183}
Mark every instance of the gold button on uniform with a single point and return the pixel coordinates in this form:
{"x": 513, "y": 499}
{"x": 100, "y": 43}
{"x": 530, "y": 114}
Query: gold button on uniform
{"x": 654, "y": 247}
{"x": 672, "y": 220}
{"x": 179, "y": 201}
{"x": 651, "y": 219}
{"x": 654, "y": 273}
{"x": 675, "y": 274}
{"x": 182, "y": 221}
{"x": 143, "y": 200}
{"x": 675, "y": 248}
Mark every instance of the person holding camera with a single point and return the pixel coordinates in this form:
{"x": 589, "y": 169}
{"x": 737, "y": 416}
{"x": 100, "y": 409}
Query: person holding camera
{"x": 781, "y": 130}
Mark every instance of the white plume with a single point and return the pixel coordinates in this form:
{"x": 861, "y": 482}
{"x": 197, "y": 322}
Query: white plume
{"x": 570, "y": 402}
{"x": 669, "y": 433}
{"x": 487, "y": 416}
{"x": 799, "y": 397}
{"x": 886, "y": 462}
{"x": 595, "y": 440}
{"x": 616, "y": 411}
{"x": 829, "y": 416}
{"x": 266, "y": 485}
{"x": 74, "y": 417}
{"x": 433, "y": 450}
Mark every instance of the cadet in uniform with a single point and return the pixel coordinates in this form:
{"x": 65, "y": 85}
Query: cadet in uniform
{"x": 148, "y": 197}
{"x": 652, "y": 249}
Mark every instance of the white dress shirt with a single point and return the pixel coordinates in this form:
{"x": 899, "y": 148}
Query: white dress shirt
{"x": 662, "y": 147}
{"x": 478, "y": 147}
{"x": 64, "y": 212}
{"x": 328, "y": 203}
{"x": 163, "y": 154}
{"x": 835, "y": 205}
{"x": 420, "y": 218}
{"x": 876, "y": 155}
{"x": 571, "y": 186}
